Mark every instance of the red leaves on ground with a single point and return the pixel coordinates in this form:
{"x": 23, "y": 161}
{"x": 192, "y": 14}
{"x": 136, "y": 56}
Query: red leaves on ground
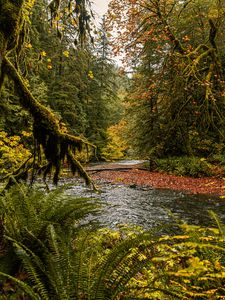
{"x": 209, "y": 185}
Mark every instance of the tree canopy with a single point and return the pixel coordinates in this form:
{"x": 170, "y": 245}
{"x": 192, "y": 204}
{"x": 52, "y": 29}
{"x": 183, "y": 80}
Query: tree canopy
{"x": 47, "y": 65}
{"x": 176, "y": 52}
{"x": 72, "y": 95}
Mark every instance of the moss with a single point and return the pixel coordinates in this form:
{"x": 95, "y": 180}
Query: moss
{"x": 41, "y": 114}
{"x": 10, "y": 21}
{"x": 77, "y": 167}
{"x": 55, "y": 143}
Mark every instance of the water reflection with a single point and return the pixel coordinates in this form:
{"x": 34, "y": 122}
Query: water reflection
{"x": 151, "y": 207}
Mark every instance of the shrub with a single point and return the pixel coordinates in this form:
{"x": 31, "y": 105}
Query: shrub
{"x": 12, "y": 151}
{"x": 185, "y": 166}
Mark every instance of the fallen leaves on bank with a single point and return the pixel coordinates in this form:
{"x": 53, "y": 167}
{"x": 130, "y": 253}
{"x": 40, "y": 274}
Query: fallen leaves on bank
{"x": 208, "y": 185}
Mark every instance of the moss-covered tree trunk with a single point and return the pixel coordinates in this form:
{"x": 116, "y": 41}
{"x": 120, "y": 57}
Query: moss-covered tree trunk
{"x": 49, "y": 138}
{"x": 10, "y": 27}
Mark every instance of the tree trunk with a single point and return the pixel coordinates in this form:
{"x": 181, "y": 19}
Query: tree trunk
{"x": 56, "y": 143}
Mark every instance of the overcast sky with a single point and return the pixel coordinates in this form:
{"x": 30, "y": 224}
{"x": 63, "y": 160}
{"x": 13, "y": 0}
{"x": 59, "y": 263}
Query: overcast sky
{"x": 100, "y": 6}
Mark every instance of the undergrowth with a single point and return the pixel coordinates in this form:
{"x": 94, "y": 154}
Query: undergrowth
{"x": 56, "y": 257}
{"x": 190, "y": 166}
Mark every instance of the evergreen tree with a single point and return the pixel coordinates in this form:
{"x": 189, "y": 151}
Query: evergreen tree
{"x": 50, "y": 137}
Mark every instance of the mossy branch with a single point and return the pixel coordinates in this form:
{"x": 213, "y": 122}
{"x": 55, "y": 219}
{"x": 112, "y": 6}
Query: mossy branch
{"x": 39, "y": 112}
{"x": 212, "y": 33}
{"x": 77, "y": 167}
{"x": 55, "y": 143}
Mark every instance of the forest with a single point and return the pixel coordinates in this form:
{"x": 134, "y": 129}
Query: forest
{"x": 145, "y": 83}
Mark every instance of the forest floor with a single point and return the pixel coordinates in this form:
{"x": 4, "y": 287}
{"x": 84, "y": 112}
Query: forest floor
{"x": 135, "y": 176}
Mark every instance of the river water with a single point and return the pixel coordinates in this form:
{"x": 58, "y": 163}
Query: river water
{"x": 150, "y": 207}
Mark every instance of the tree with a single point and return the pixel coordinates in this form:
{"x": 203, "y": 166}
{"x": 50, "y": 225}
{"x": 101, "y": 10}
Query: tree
{"x": 48, "y": 133}
{"x": 81, "y": 83}
{"x": 178, "y": 95}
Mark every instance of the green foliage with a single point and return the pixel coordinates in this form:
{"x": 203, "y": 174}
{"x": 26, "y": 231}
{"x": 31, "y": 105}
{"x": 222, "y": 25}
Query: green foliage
{"x": 47, "y": 67}
{"x": 82, "y": 86}
{"x": 189, "y": 265}
{"x": 29, "y": 211}
{"x": 27, "y": 216}
{"x": 13, "y": 120}
{"x": 78, "y": 84}
{"x": 185, "y": 166}
{"x": 177, "y": 93}
{"x": 193, "y": 166}
{"x": 218, "y": 161}
{"x": 61, "y": 259}
{"x": 49, "y": 138}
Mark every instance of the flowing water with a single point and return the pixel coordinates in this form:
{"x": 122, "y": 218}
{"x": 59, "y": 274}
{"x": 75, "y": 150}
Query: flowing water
{"x": 149, "y": 207}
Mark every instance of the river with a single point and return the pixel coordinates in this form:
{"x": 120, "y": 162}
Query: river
{"x": 149, "y": 207}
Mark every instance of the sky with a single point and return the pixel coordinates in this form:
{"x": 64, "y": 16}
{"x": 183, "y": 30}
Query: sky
{"x": 100, "y": 6}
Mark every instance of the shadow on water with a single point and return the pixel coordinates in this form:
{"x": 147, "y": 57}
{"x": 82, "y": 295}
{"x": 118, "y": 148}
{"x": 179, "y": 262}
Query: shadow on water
{"x": 151, "y": 207}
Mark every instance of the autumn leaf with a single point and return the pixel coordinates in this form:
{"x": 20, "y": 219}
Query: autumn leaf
{"x": 28, "y": 46}
{"x": 26, "y": 134}
{"x": 66, "y": 53}
{"x": 43, "y": 53}
{"x": 90, "y": 75}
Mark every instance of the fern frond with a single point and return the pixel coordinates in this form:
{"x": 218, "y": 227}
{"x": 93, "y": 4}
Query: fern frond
{"x": 68, "y": 207}
{"x": 22, "y": 247}
{"x": 34, "y": 210}
{"x": 219, "y": 224}
{"x": 41, "y": 227}
{"x": 59, "y": 264}
{"x": 25, "y": 287}
{"x": 120, "y": 266}
{"x": 81, "y": 275}
{"x": 34, "y": 268}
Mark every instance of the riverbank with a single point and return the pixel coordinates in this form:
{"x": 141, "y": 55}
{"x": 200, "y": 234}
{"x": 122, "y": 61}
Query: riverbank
{"x": 138, "y": 177}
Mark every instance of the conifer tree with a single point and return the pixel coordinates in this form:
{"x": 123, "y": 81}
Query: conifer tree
{"x": 54, "y": 140}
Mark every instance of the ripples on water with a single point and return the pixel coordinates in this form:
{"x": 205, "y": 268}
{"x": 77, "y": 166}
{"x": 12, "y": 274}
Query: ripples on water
{"x": 151, "y": 207}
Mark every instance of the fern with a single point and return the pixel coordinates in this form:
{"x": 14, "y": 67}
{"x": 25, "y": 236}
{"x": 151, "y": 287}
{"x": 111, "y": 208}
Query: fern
{"x": 219, "y": 224}
{"x": 32, "y": 209}
{"x": 58, "y": 263}
{"x": 35, "y": 224}
{"x": 25, "y": 287}
{"x": 120, "y": 266}
{"x": 65, "y": 262}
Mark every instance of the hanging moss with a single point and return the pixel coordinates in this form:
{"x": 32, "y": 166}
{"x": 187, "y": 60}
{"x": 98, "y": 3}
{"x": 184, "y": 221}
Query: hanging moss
{"x": 55, "y": 143}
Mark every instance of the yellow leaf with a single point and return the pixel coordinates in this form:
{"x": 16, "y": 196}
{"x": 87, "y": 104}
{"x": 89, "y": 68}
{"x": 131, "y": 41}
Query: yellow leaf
{"x": 217, "y": 265}
{"x": 29, "y": 46}
{"x": 43, "y": 53}
{"x": 207, "y": 184}
{"x": 90, "y": 75}
{"x": 66, "y": 53}
{"x": 26, "y": 134}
